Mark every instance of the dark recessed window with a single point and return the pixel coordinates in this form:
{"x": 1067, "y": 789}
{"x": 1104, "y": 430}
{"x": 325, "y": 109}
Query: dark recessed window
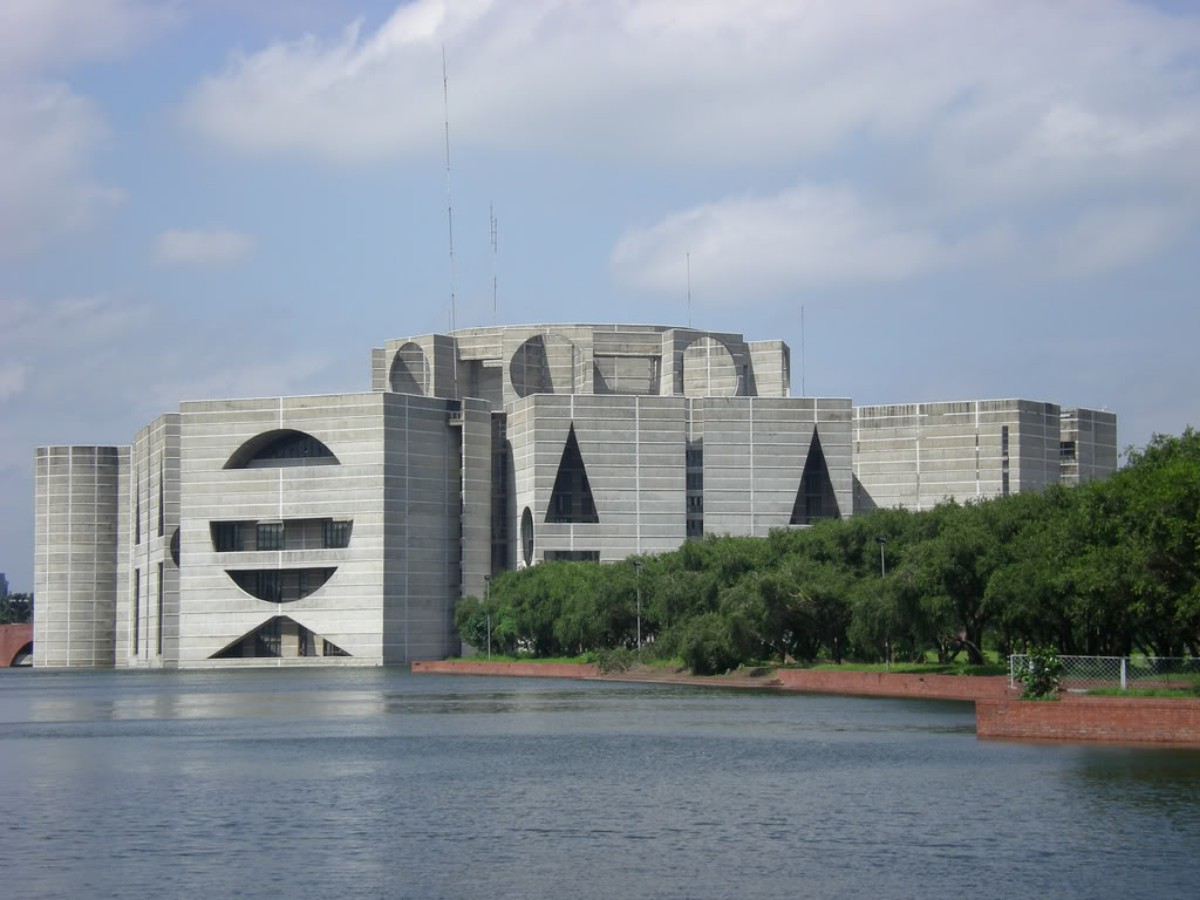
{"x": 815, "y": 498}
{"x": 162, "y": 504}
{"x": 161, "y": 586}
{"x": 281, "y": 585}
{"x": 329, "y": 648}
{"x": 280, "y": 636}
{"x": 573, "y": 556}
{"x": 527, "y": 536}
{"x": 336, "y": 533}
{"x": 226, "y": 536}
{"x": 276, "y": 449}
{"x": 269, "y": 637}
{"x": 137, "y": 603}
{"x": 269, "y": 536}
{"x": 571, "y": 500}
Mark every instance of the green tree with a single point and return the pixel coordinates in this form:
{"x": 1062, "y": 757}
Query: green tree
{"x": 16, "y": 608}
{"x": 709, "y": 644}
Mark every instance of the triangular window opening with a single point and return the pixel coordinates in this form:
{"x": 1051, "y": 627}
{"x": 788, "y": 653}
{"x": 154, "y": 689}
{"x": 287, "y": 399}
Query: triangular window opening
{"x": 815, "y": 498}
{"x": 571, "y": 500}
{"x": 279, "y": 637}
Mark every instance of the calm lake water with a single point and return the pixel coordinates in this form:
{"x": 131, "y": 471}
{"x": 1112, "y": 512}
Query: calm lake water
{"x": 378, "y": 783}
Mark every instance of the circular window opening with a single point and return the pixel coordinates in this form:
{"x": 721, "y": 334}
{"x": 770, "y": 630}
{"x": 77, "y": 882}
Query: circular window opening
{"x": 709, "y": 370}
{"x": 410, "y": 370}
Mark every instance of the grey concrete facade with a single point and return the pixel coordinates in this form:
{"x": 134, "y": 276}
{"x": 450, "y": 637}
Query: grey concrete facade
{"x": 677, "y": 433}
{"x": 147, "y": 607}
{"x": 342, "y": 529}
{"x": 1088, "y": 445}
{"x": 341, "y": 555}
{"x": 80, "y": 512}
{"x": 921, "y": 454}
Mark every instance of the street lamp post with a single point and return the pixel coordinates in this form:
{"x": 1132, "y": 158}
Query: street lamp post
{"x": 487, "y": 605}
{"x": 637, "y": 568}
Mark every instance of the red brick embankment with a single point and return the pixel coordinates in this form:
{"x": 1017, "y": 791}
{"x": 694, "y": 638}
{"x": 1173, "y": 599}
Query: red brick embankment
{"x": 816, "y": 681}
{"x": 889, "y": 684}
{"x": 513, "y": 669}
{"x": 13, "y": 639}
{"x": 1159, "y": 720}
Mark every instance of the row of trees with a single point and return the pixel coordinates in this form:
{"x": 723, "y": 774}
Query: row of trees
{"x": 1109, "y": 567}
{"x": 16, "y": 608}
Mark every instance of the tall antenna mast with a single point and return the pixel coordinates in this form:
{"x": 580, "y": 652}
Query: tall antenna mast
{"x": 689, "y": 287}
{"x": 449, "y": 204}
{"x": 495, "y": 232}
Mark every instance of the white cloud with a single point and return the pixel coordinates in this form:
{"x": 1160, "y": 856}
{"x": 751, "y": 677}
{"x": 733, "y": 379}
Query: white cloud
{"x": 763, "y": 247}
{"x": 42, "y": 36}
{"x": 12, "y": 379}
{"x": 47, "y": 137}
{"x": 100, "y": 364}
{"x": 49, "y": 134}
{"x": 202, "y": 248}
{"x": 986, "y": 120}
{"x": 1105, "y": 240}
{"x": 720, "y": 83}
{"x": 55, "y": 338}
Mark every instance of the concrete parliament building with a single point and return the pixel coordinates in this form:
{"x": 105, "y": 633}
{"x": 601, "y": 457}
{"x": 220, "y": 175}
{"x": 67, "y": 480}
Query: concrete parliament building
{"x": 342, "y": 529}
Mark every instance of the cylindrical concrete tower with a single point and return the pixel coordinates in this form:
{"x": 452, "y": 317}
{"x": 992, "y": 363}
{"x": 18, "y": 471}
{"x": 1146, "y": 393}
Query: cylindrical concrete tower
{"x": 78, "y": 519}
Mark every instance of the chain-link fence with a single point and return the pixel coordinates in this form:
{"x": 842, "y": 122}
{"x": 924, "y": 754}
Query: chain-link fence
{"x": 1084, "y": 672}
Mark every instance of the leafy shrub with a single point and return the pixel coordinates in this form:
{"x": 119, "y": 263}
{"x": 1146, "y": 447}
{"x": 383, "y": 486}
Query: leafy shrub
{"x": 615, "y": 661}
{"x": 1041, "y": 679}
{"x": 707, "y": 647}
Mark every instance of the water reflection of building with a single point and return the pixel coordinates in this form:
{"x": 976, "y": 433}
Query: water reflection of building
{"x": 341, "y": 529}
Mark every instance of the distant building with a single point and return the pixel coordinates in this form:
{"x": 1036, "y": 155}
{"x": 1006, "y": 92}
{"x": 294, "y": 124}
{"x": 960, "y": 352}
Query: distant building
{"x": 1087, "y": 445}
{"x": 342, "y": 529}
{"x": 920, "y": 454}
{"x": 3, "y": 585}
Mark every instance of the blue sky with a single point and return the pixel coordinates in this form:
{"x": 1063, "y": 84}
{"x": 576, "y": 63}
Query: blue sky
{"x": 967, "y": 198}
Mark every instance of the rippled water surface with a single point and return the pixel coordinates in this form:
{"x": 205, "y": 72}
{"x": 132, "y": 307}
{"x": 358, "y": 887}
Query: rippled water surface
{"x": 378, "y": 783}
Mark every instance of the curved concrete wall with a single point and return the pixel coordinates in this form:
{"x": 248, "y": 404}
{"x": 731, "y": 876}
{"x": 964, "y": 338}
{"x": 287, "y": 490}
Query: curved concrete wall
{"x": 79, "y": 518}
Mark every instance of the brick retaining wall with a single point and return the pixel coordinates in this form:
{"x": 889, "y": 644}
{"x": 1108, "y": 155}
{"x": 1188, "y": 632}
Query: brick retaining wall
{"x": 12, "y": 639}
{"x": 516, "y": 669}
{"x": 1073, "y": 718}
{"x": 893, "y": 684}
